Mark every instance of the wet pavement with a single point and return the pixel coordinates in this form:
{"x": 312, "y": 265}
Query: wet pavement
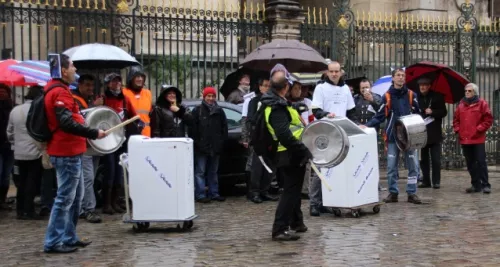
{"x": 454, "y": 229}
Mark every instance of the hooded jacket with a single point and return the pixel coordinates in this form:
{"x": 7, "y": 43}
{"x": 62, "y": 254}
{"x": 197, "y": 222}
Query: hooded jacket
{"x": 164, "y": 122}
{"x": 140, "y": 98}
{"x": 471, "y": 120}
{"x": 400, "y": 106}
{"x": 209, "y": 129}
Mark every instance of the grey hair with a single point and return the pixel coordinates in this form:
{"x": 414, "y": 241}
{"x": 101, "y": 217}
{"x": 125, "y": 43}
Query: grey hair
{"x": 474, "y": 87}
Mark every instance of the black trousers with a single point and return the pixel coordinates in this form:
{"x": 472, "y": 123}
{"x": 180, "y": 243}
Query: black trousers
{"x": 49, "y": 187}
{"x": 30, "y": 174}
{"x": 288, "y": 212}
{"x": 475, "y": 157}
{"x": 260, "y": 179}
{"x": 431, "y": 154}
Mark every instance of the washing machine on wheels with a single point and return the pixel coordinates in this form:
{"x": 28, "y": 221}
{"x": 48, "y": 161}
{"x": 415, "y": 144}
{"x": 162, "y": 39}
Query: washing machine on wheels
{"x": 347, "y": 157}
{"x": 160, "y": 181}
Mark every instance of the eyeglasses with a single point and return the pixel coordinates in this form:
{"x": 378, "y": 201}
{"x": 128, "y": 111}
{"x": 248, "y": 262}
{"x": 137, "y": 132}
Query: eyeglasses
{"x": 469, "y": 91}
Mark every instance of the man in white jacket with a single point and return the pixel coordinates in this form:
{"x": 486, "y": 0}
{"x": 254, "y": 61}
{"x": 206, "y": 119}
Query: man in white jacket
{"x": 331, "y": 98}
{"x": 27, "y": 155}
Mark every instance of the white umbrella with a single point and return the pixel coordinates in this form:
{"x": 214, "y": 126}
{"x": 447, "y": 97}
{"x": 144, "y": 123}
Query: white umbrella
{"x": 100, "y": 56}
{"x": 382, "y": 85}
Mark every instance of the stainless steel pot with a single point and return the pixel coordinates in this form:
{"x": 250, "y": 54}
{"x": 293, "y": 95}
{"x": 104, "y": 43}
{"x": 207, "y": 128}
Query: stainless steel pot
{"x": 411, "y": 132}
{"x": 103, "y": 118}
{"x": 327, "y": 140}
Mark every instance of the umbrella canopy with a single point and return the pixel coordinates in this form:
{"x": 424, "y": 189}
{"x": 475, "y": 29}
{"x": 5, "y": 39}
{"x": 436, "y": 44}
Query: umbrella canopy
{"x": 232, "y": 80}
{"x": 100, "y": 56}
{"x": 294, "y": 55}
{"x": 12, "y": 78}
{"x": 354, "y": 83}
{"x": 381, "y": 85}
{"x": 444, "y": 80}
{"x": 35, "y": 69}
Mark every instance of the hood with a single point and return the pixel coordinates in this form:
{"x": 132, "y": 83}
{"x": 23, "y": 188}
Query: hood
{"x": 272, "y": 99}
{"x": 134, "y": 72}
{"x": 162, "y": 101}
{"x": 340, "y": 84}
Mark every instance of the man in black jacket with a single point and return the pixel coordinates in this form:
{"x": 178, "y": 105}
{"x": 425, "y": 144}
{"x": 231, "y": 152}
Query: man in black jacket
{"x": 432, "y": 107}
{"x": 209, "y": 130}
{"x": 285, "y": 125}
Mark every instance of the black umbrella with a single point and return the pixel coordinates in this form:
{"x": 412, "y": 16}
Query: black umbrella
{"x": 294, "y": 55}
{"x": 233, "y": 79}
{"x": 100, "y": 56}
{"x": 354, "y": 83}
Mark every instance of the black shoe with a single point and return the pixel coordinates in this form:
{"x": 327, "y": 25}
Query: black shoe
{"x": 285, "y": 236}
{"x": 472, "y": 189}
{"x": 413, "y": 198}
{"x": 487, "y": 190}
{"x": 323, "y": 209}
{"x": 314, "y": 211}
{"x": 299, "y": 229}
{"x": 267, "y": 197}
{"x": 44, "y": 212}
{"x": 203, "y": 200}
{"x": 256, "y": 199}
{"x": 436, "y": 186}
{"x": 424, "y": 185}
{"x": 61, "y": 249}
{"x": 79, "y": 244}
{"x": 92, "y": 217}
{"x": 391, "y": 198}
{"x": 219, "y": 198}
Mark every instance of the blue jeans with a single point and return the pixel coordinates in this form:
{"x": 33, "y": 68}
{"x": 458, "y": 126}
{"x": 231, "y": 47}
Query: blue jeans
{"x": 392, "y": 169}
{"x": 206, "y": 165}
{"x": 66, "y": 209}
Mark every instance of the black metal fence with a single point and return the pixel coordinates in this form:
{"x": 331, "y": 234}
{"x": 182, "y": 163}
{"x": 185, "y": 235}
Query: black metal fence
{"x": 195, "y": 47}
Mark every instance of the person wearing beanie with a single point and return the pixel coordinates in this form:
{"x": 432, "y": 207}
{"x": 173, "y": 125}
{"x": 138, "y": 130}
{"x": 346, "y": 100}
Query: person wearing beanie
{"x": 471, "y": 120}
{"x": 209, "y": 130}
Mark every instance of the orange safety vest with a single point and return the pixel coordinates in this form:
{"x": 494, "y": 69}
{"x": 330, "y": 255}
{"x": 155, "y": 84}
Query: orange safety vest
{"x": 81, "y": 100}
{"x": 142, "y": 103}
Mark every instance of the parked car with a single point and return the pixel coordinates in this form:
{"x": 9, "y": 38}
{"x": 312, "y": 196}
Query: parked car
{"x": 233, "y": 160}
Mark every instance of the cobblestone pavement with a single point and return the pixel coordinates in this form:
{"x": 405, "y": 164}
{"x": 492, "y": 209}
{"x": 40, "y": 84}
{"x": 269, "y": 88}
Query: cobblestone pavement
{"x": 455, "y": 229}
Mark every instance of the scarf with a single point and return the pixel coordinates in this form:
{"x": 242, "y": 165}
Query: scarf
{"x": 471, "y": 100}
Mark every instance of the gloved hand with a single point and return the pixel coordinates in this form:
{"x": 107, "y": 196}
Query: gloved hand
{"x": 306, "y": 157}
{"x": 300, "y": 107}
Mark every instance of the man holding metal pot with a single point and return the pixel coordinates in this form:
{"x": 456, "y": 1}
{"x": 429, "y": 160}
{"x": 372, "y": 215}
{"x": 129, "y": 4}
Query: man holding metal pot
{"x": 398, "y": 101}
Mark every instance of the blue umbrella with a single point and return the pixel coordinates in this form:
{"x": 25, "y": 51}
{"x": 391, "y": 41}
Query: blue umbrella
{"x": 38, "y": 69}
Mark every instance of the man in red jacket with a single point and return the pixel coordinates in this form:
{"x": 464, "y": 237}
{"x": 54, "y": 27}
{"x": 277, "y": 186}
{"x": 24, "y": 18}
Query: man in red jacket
{"x": 471, "y": 120}
{"x": 66, "y": 148}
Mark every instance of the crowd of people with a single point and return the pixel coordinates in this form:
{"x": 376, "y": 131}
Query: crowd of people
{"x": 61, "y": 173}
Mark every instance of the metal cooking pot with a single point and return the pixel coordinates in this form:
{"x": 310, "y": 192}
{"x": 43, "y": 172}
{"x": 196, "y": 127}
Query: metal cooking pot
{"x": 103, "y": 118}
{"x": 411, "y": 132}
{"x": 327, "y": 140}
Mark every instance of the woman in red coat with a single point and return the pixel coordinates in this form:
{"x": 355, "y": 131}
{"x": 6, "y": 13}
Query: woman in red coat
{"x": 471, "y": 120}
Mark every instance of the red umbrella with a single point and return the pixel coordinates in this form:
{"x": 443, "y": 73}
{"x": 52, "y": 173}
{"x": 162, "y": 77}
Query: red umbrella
{"x": 12, "y": 78}
{"x": 444, "y": 80}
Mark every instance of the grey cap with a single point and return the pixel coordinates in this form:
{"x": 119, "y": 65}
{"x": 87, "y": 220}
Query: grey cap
{"x": 424, "y": 81}
{"x": 111, "y": 77}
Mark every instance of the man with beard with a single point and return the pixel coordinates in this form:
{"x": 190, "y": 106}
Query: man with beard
{"x": 140, "y": 97}
{"x": 331, "y": 98}
{"x": 237, "y": 96}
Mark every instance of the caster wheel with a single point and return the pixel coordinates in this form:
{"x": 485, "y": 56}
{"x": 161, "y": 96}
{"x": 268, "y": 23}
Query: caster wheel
{"x": 140, "y": 227}
{"x": 376, "y": 209}
{"x": 355, "y": 213}
{"x": 187, "y": 225}
{"x": 337, "y": 212}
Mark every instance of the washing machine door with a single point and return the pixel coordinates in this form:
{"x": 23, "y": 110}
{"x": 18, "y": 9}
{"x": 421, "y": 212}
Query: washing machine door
{"x": 327, "y": 141}
{"x": 411, "y": 132}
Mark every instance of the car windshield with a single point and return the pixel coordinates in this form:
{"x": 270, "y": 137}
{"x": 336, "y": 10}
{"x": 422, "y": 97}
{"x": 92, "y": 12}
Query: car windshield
{"x": 233, "y": 117}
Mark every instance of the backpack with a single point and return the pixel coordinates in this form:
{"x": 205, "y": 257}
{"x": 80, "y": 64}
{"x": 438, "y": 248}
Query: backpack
{"x": 260, "y": 138}
{"x": 36, "y": 120}
{"x": 388, "y": 101}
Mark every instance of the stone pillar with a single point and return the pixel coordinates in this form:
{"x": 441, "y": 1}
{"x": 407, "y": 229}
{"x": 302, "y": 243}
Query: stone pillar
{"x": 285, "y": 17}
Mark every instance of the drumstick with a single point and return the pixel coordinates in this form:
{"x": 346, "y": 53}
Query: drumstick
{"x": 320, "y": 175}
{"x": 123, "y": 124}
